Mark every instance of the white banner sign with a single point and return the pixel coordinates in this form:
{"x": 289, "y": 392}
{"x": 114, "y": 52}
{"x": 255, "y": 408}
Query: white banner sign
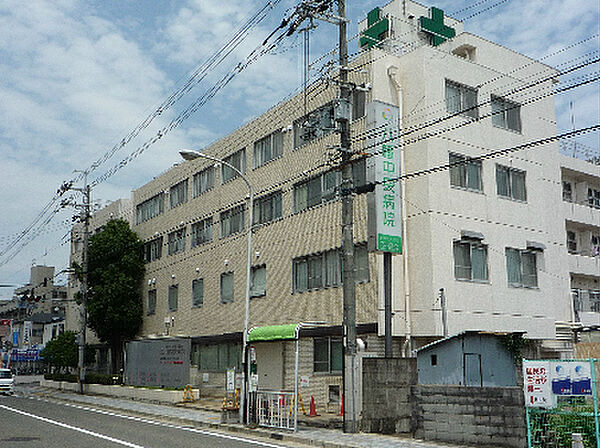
{"x": 383, "y": 168}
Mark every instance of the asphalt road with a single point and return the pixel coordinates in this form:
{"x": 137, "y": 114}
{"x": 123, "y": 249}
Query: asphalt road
{"x": 27, "y": 421}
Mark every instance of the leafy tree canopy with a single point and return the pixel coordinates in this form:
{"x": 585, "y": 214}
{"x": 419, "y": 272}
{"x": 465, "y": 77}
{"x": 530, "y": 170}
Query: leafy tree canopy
{"x": 62, "y": 351}
{"x": 115, "y": 274}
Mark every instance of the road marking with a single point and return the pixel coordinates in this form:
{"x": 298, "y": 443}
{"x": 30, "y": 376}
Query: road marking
{"x": 165, "y": 425}
{"x": 74, "y": 428}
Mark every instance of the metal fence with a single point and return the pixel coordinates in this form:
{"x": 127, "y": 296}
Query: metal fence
{"x": 571, "y": 422}
{"x": 275, "y": 409}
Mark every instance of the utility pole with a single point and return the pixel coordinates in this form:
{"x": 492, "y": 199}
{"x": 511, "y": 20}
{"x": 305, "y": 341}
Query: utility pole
{"x": 85, "y": 190}
{"x": 349, "y": 298}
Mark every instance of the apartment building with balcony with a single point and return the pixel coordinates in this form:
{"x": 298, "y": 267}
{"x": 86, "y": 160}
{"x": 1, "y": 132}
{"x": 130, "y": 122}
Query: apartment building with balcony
{"x": 581, "y": 209}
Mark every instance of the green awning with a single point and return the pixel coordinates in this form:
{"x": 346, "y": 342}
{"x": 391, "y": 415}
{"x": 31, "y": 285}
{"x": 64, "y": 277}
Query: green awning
{"x": 272, "y": 333}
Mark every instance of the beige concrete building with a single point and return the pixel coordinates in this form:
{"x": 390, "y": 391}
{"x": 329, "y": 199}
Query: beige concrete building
{"x": 481, "y": 228}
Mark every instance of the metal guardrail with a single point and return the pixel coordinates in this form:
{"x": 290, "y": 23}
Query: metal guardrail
{"x": 276, "y": 409}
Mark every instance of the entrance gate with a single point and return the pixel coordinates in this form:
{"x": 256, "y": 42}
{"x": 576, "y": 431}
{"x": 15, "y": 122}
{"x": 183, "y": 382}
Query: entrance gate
{"x": 561, "y": 399}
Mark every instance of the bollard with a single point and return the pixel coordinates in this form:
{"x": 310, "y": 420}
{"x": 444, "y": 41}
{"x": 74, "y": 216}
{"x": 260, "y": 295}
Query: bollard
{"x": 577, "y": 440}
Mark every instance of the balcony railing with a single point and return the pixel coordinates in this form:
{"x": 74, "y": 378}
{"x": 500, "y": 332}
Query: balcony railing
{"x": 586, "y": 301}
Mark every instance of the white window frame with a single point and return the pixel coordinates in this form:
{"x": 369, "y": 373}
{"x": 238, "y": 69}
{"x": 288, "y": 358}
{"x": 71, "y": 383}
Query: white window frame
{"x": 173, "y": 298}
{"x": 203, "y": 181}
{"x": 461, "y": 169}
{"x": 150, "y": 208}
{"x": 227, "y": 219}
{"x": 330, "y": 341}
{"x": 506, "y": 114}
{"x": 258, "y": 281}
{"x": 197, "y": 285}
{"x": 176, "y": 242}
{"x": 238, "y": 160}
{"x": 151, "y": 302}
{"x": 202, "y": 232}
{"x": 227, "y": 275}
{"x": 153, "y": 249}
{"x": 267, "y": 149}
{"x": 461, "y": 99}
{"x": 460, "y": 270}
{"x": 593, "y": 197}
{"x": 521, "y": 280}
{"x": 513, "y": 174}
{"x": 178, "y": 194}
{"x": 268, "y": 208}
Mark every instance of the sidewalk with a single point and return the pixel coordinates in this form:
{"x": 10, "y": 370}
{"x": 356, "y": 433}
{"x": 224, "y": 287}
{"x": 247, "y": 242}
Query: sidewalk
{"x": 203, "y": 414}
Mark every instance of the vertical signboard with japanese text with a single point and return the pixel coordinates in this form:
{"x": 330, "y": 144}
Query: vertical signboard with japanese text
{"x": 537, "y": 384}
{"x": 383, "y": 169}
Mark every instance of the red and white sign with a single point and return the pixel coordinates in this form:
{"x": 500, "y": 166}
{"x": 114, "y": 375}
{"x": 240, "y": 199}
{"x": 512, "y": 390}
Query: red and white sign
{"x": 5, "y": 326}
{"x": 538, "y": 384}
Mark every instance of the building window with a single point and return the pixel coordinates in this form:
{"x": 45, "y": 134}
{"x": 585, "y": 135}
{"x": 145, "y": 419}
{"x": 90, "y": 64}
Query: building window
{"x": 219, "y": 357}
{"x": 470, "y": 261}
{"x": 204, "y": 181}
{"x": 232, "y": 221}
{"x": 359, "y": 99}
{"x": 268, "y": 148}
{"x": 567, "y": 191}
{"x": 176, "y": 241}
{"x": 314, "y": 191}
{"x": 178, "y": 194}
{"x": 202, "y": 232}
{"x": 238, "y": 160}
{"x": 197, "y": 292}
{"x": 152, "y": 250}
{"x": 465, "y": 172}
{"x": 595, "y": 245}
{"x": 571, "y": 242}
{"x": 594, "y": 197}
{"x": 324, "y": 269}
{"x": 461, "y": 99}
{"x": 150, "y": 208}
{"x": 227, "y": 287}
{"x": 506, "y": 114}
{"x": 173, "y": 297}
{"x": 151, "y": 309}
{"x": 510, "y": 183}
{"x": 327, "y": 355}
{"x": 316, "y": 124}
{"x": 267, "y": 208}
{"x": 521, "y": 268}
{"x": 258, "y": 281}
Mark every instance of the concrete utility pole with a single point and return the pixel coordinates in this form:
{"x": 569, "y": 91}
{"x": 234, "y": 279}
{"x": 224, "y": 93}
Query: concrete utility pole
{"x": 349, "y": 298}
{"x": 84, "y": 281}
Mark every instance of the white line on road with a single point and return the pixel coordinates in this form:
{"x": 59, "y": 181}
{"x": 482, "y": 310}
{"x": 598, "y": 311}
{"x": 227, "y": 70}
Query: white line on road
{"x": 166, "y": 425}
{"x": 74, "y": 428}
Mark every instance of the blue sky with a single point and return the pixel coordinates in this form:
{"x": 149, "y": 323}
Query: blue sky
{"x": 78, "y": 76}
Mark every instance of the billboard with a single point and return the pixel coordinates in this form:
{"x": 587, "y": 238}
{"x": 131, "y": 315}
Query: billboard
{"x": 383, "y": 168}
{"x": 158, "y": 362}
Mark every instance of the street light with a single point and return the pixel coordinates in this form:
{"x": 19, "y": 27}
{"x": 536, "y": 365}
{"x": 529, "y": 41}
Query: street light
{"x": 190, "y": 154}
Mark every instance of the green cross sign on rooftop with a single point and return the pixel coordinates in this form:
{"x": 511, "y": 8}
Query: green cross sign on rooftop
{"x": 434, "y": 26}
{"x": 376, "y": 29}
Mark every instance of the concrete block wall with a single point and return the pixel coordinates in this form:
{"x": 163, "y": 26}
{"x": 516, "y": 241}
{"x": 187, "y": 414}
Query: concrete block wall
{"x": 387, "y": 401}
{"x": 481, "y": 416}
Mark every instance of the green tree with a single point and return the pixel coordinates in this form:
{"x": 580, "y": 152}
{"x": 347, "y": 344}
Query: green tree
{"x": 61, "y": 352}
{"x": 115, "y": 274}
